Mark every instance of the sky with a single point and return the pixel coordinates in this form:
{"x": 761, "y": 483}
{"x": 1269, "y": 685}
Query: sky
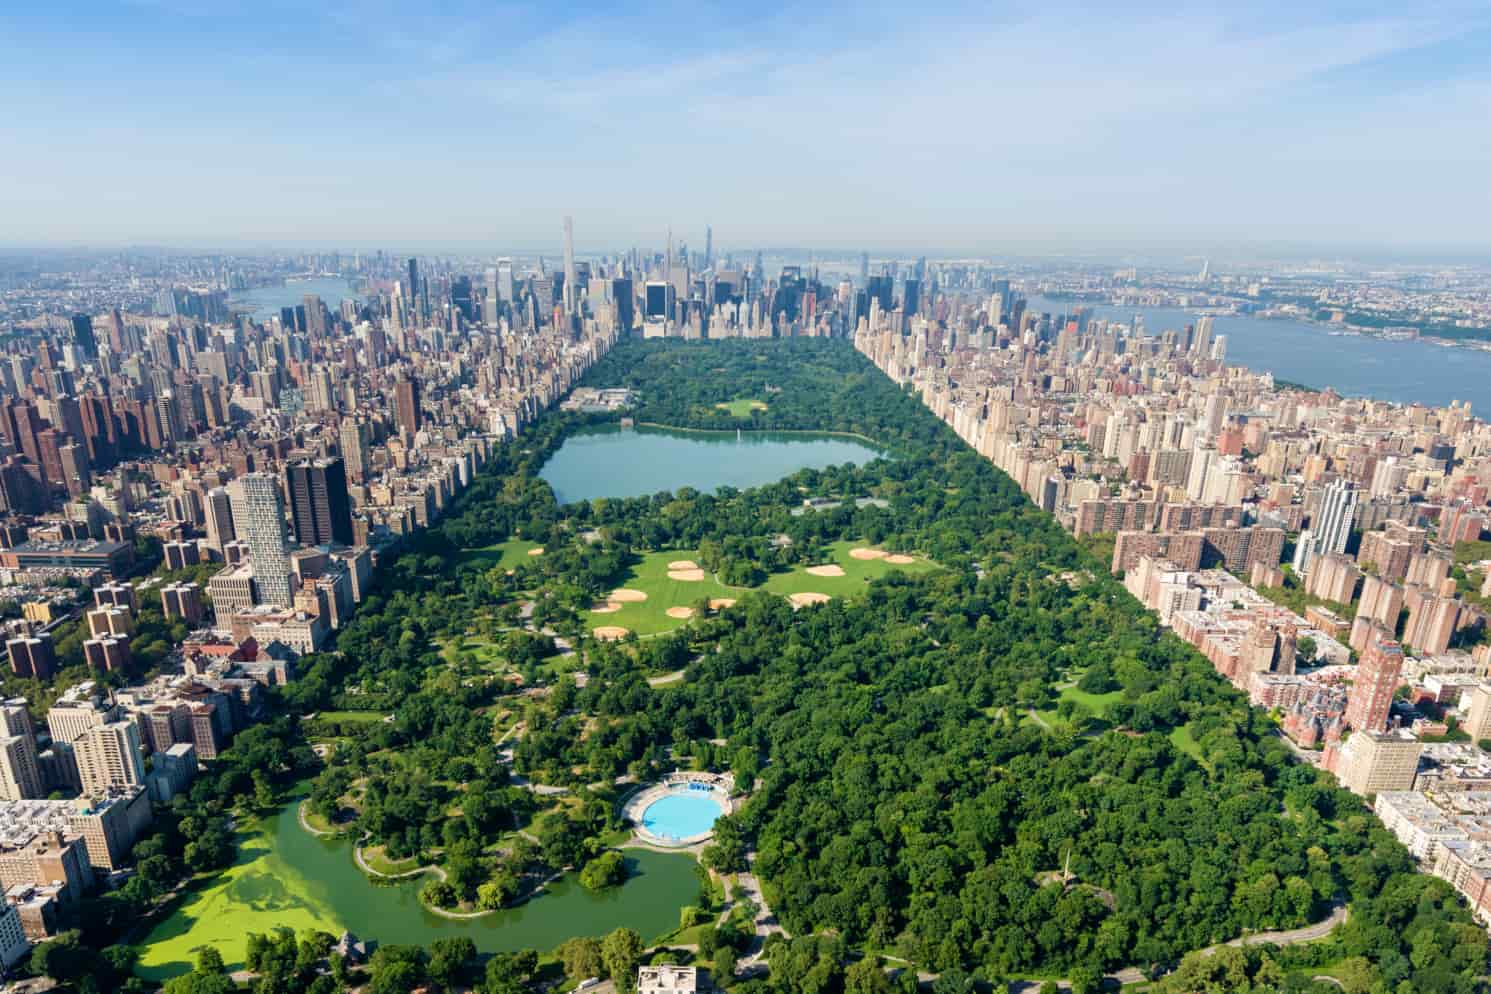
{"x": 978, "y": 127}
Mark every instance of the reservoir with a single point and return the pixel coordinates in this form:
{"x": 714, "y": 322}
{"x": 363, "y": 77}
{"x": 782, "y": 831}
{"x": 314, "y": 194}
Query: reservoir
{"x": 634, "y": 462}
{"x": 1355, "y": 365}
{"x": 264, "y": 302}
{"x": 284, "y": 876}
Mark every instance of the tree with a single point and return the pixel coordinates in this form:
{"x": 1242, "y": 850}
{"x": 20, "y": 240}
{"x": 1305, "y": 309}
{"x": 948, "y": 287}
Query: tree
{"x": 724, "y": 966}
{"x": 621, "y": 952}
{"x": 866, "y": 977}
{"x": 450, "y": 958}
{"x": 606, "y": 870}
{"x": 581, "y": 957}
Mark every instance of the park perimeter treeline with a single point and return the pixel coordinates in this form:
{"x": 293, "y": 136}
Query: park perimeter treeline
{"x": 905, "y": 801}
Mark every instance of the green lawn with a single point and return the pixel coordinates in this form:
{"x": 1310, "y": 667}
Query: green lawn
{"x": 1186, "y": 743}
{"x": 1096, "y": 704}
{"x": 742, "y": 407}
{"x": 505, "y": 554}
{"x": 651, "y": 577}
{"x": 367, "y": 716}
{"x": 486, "y": 654}
{"x": 374, "y": 856}
{"x": 258, "y": 893}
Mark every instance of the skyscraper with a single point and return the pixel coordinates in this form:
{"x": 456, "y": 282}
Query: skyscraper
{"x": 319, "y": 505}
{"x": 406, "y": 405}
{"x": 82, "y": 334}
{"x": 708, "y": 246}
{"x": 259, "y": 520}
{"x": 1201, "y": 344}
{"x": 218, "y": 511}
{"x": 354, "y": 445}
{"x": 1371, "y": 696}
{"x": 571, "y": 290}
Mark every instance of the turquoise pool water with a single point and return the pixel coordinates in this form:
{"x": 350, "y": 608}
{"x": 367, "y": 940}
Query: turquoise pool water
{"x": 681, "y": 814}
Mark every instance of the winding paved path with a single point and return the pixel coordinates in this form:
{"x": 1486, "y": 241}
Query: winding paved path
{"x": 1133, "y": 975}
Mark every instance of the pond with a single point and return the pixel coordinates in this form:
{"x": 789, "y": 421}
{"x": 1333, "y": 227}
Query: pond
{"x": 635, "y": 462}
{"x": 286, "y": 876}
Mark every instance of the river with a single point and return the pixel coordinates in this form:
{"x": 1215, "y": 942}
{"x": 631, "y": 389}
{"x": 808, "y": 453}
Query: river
{"x": 284, "y": 876}
{"x": 1355, "y": 365}
{"x": 265, "y": 301}
{"x": 635, "y": 462}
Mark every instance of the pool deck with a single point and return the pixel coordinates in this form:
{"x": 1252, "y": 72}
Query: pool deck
{"x": 720, "y": 789}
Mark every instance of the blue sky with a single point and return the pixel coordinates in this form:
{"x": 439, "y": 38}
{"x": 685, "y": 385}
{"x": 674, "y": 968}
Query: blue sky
{"x": 982, "y": 126}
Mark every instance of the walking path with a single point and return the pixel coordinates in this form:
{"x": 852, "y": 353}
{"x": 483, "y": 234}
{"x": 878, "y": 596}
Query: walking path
{"x": 300, "y": 816}
{"x": 1133, "y": 975}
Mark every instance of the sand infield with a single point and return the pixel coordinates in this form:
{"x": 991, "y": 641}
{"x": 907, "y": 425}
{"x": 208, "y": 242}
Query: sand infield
{"x": 610, "y": 633}
{"x": 604, "y": 607}
{"x": 537, "y": 551}
{"x": 833, "y": 569}
{"x": 863, "y": 553}
{"x": 626, "y": 595}
{"x": 680, "y": 613}
{"x": 720, "y": 603}
{"x": 807, "y": 598}
{"x": 683, "y": 564}
{"x": 686, "y": 575}
{"x": 900, "y": 560}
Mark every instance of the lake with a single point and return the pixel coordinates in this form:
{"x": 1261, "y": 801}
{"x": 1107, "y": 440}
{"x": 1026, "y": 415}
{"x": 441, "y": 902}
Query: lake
{"x": 635, "y": 462}
{"x": 1355, "y": 365}
{"x": 265, "y": 301}
{"x": 286, "y": 876}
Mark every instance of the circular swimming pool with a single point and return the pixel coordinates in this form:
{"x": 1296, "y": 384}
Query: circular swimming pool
{"x": 681, "y": 814}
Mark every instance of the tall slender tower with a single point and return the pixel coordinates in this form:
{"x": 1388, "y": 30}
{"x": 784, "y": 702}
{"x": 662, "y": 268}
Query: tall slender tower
{"x": 571, "y": 292}
{"x": 708, "y": 246}
{"x": 259, "y": 519}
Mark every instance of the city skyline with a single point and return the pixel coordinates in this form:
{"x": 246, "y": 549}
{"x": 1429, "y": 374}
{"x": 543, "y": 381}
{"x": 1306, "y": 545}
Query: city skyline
{"x": 950, "y": 127}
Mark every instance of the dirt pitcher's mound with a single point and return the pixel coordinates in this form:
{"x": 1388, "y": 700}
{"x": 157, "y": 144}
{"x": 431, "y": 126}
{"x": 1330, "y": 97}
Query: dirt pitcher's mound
{"x": 686, "y": 575}
{"x": 863, "y": 553}
{"x": 900, "y": 560}
{"x": 604, "y": 607}
{"x": 683, "y": 564}
{"x": 832, "y": 569}
{"x": 610, "y": 633}
{"x": 536, "y": 551}
{"x": 626, "y": 595}
{"x": 720, "y": 603}
{"x": 805, "y": 599}
{"x": 680, "y": 612}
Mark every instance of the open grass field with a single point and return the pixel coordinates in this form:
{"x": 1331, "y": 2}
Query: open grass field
{"x": 505, "y": 554}
{"x": 650, "y": 616}
{"x": 1096, "y": 704}
{"x": 483, "y": 653}
{"x": 742, "y": 407}
{"x": 258, "y": 893}
{"x": 367, "y": 716}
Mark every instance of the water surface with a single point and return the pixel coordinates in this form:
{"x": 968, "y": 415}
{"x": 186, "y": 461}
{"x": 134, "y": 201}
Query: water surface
{"x": 265, "y": 301}
{"x": 1355, "y": 365}
{"x": 635, "y": 462}
{"x": 286, "y": 876}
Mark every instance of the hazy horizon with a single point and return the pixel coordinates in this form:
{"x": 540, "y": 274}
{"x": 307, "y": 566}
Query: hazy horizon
{"x": 942, "y": 127}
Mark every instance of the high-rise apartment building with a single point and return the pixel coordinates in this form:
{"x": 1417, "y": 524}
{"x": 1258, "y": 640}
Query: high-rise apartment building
{"x": 20, "y": 770}
{"x": 259, "y": 519}
{"x": 109, "y": 756}
{"x": 1371, "y": 696}
{"x": 1330, "y": 528}
{"x": 319, "y": 504}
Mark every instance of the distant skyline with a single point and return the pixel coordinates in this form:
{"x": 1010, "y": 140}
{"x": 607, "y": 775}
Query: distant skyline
{"x": 1011, "y": 129}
